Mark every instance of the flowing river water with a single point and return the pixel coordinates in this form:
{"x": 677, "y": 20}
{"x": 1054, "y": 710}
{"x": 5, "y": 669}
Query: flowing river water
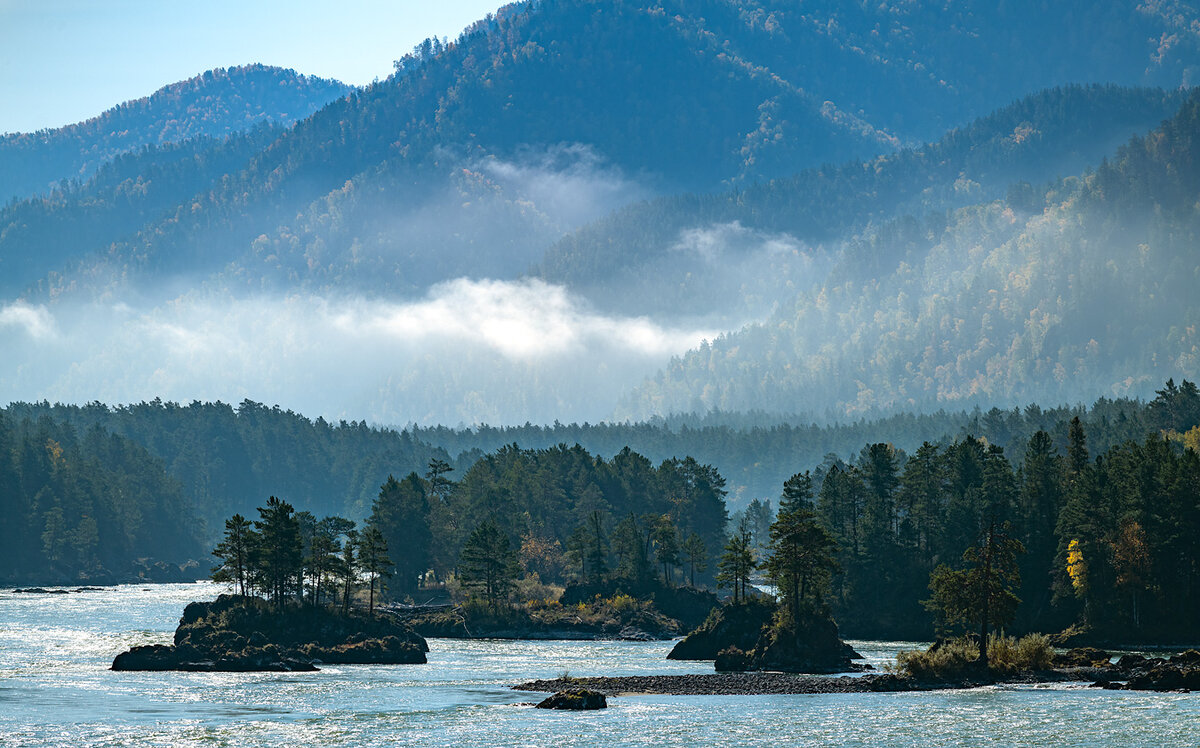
{"x": 56, "y": 689}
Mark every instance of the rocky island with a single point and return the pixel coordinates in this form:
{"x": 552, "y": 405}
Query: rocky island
{"x": 238, "y": 633}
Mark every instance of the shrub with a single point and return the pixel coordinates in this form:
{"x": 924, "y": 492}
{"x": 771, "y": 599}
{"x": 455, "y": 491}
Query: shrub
{"x": 622, "y": 603}
{"x": 531, "y": 588}
{"x": 957, "y": 658}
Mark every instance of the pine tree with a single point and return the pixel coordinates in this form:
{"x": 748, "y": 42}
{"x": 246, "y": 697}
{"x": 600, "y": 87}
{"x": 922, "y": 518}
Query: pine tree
{"x": 374, "y": 560}
{"x": 488, "y": 563}
{"x": 234, "y": 551}
{"x": 802, "y": 551}
{"x": 737, "y": 562}
{"x": 983, "y": 593}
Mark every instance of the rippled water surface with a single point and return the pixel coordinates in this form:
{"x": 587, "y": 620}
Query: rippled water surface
{"x": 56, "y": 689}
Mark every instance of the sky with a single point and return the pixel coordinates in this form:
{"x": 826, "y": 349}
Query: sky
{"x": 63, "y": 61}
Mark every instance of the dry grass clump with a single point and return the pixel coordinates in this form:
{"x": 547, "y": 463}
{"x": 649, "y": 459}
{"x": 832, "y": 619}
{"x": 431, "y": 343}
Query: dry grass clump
{"x": 958, "y": 658}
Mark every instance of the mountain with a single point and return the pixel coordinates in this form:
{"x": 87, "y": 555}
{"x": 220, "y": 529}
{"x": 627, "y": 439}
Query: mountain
{"x": 1087, "y": 285}
{"x": 215, "y": 104}
{"x": 681, "y": 254}
{"x": 477, "y": 154}
{"x": 372, "y": 260}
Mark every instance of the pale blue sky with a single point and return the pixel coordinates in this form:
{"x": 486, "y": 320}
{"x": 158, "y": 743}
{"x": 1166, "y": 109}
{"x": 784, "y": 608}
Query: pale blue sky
{"x": 62, "y": 61}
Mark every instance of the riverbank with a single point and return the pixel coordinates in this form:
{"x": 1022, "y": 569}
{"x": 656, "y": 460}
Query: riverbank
{"x": 771, "y": 683}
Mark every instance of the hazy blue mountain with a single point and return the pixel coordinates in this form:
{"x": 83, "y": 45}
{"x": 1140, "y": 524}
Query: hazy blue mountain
{"x": 215, "y": 104}
{"x": 477, "y": 154}
{"x": 1087, "y": 286}
{"x": 390, "y": 233}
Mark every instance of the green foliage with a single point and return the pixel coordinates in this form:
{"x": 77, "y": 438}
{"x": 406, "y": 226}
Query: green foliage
{"x": 373, "y": 559}
{"x": 737, "y": 562}
{"x": 621, "y": 259}
{"x": 1003, "y": 293}
{"x": 488, "y": 564}
{"x": 802, "y": 550}
{"x": 213, "y": 105}
{"x": 401, "y": 514}
{"x": 226, "y": 458}
{"x": 85, "y": 503}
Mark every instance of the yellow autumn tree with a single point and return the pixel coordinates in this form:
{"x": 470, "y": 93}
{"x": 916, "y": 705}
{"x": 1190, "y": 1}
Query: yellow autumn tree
{"x": 1076, "y": 567}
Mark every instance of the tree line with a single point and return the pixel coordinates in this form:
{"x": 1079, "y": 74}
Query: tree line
{"x": 556, "y": 516}
{"x": 1106, "y": 543}
{"x": 85, "y": 504}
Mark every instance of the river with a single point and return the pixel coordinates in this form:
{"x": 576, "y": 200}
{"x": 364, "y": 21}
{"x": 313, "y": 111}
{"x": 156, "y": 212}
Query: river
{"x": 56, "y": 689}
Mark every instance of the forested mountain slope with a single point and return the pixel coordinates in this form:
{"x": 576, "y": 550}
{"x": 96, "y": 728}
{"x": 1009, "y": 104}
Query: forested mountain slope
{"x": 216, "y": 104}
{"x": 477, "y": 154}
{"x": 682, "y": 254}
{"x": 1088, "y": 285}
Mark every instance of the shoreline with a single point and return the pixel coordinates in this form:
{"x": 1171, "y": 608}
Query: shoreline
{"x": 777, "y": 683}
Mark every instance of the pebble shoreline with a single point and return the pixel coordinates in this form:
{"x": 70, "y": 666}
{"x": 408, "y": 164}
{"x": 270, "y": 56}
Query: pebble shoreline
{"x": 775, "y": 683}
{"x": 721, "y": 684}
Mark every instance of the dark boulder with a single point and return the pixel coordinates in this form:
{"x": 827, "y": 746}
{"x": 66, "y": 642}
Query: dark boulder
{"x": 1187, "y": 659}
{"x": 575, "y": 699}
{"x": 150, "y": 657}
{"x": 1134, "y": 662}
{"x": 1165, "y": 677}
{"x": 390, "y": 650}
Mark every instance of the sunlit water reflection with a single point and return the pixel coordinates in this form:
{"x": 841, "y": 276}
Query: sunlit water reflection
{"x": 56, "y": 689}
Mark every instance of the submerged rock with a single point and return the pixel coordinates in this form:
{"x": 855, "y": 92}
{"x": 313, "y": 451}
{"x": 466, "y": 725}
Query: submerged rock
{"x": 575, "y": 699}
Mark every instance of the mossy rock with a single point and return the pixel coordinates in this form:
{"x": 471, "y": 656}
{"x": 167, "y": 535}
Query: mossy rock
{"x": 575, "y": 699}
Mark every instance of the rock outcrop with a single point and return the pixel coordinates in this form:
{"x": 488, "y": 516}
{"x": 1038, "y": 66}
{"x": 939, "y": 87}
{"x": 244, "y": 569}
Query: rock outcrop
{"x": 575, "y": 699}
{"x": 240, "y": 634}
{"x": 767, "y": 641}
{"x": 1180, "y": 672}
{"x": 735, "y": 625}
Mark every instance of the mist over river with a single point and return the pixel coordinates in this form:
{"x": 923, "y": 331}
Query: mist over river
{"x": 56, "y": 689}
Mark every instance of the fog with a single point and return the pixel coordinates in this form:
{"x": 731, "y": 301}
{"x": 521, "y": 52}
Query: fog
{"x": 469, "y": 351}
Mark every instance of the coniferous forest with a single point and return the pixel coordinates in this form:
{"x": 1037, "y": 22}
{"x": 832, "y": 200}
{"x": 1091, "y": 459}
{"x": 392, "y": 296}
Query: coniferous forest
{"x": 1102, "y": 501}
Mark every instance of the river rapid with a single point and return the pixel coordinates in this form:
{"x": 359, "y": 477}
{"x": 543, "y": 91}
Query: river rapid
{"x": 56, "y": 690}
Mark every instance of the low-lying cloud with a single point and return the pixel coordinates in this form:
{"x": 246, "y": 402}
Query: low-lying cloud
{"x": 467, "y": 352}
{"x": 33, "y": 321}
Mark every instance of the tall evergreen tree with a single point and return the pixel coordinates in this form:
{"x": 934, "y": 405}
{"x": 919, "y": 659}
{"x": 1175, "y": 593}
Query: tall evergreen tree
{"x": 802, "y": 551}
{"x": 278, "y": 555}
{"x": 488, "y": 563}
{"x": 737, "y": 562}
{"x": 234, "y": 551}
{"x": 373, "y": 559}
{"x": 401, "y": 514}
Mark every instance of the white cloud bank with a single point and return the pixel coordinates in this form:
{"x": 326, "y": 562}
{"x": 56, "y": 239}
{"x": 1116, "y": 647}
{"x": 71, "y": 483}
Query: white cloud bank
{"x": 468, "y": 352}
